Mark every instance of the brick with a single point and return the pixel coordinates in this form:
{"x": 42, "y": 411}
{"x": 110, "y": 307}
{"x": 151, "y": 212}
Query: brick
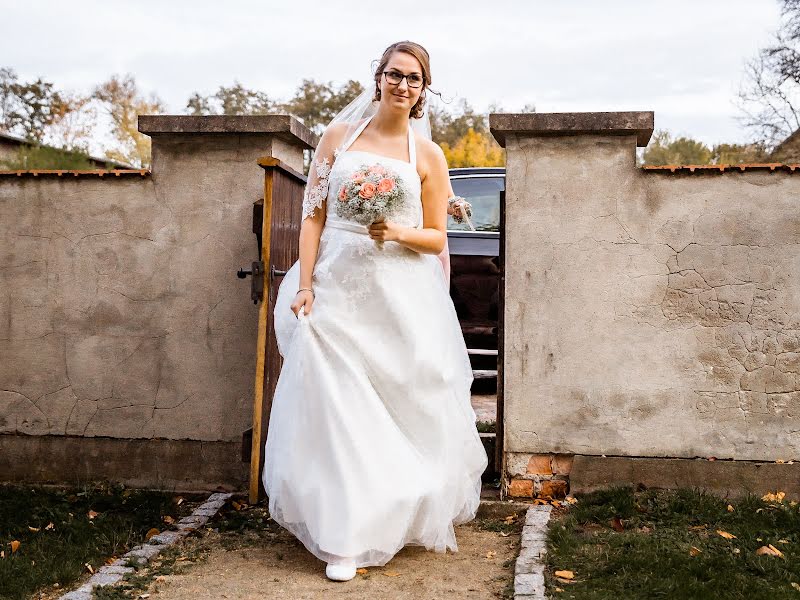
{"x": 555, "y": 488}
{"x": 562, "y": 463}
{"x": 519, "y": 488}
{"x": 540, "y": 464}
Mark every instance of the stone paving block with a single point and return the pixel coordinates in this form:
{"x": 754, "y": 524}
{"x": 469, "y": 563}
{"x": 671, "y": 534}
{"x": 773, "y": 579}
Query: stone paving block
{"x": 144, "y": 552}
{"x": 218, "y": 496}
{"x": 167, "y": 537}
{"x": 204, "y": 511}
{"x": 82, "y": 593}
{"x": 112, "y": 568}
{"x": 528, "y": 563}
{"x": 528, "y": 583}
{"x": 103, "y": 579}
{"x": 534, "y": 534}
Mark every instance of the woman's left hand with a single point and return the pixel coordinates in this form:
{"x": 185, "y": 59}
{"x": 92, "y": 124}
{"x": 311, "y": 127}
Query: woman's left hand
{"x": 384, "y": 231}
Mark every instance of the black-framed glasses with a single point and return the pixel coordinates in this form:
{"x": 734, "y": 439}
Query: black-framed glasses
{"x": 395, "y": 77}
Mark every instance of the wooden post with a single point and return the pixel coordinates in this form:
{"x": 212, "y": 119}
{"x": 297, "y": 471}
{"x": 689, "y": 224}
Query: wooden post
{"x": 261, "y": 344}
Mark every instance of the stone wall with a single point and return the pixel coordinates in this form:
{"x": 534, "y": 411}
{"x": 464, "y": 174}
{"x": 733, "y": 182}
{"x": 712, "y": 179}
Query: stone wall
{"x": 648, "y": 312}
{"x": 121, "y": 316}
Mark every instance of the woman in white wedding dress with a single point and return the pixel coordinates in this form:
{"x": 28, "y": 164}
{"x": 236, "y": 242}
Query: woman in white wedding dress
{"x": 372, "y": 443}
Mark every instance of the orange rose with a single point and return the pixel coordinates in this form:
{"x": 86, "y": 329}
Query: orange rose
{"x": 367, "y": 190}
{"x": 385, "y": 185}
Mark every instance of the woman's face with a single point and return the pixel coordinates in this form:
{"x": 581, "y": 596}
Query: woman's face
{"x": 401, "y": 96}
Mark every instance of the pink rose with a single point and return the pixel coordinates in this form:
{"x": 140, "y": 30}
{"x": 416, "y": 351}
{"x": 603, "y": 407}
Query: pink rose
{"x": 342, "y": 194}
{"x": 385, "y": 185}
{"x": 378, "y": 169}
{"x": 367, "y": 190}
{"x": 358, "y": 176}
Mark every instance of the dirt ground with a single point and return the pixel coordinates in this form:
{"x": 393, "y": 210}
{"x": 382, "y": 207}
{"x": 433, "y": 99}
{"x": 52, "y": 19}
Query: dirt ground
{"x": 274, "y": 564}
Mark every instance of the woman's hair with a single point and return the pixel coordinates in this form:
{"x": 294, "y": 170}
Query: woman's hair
{"x": 421, "y": 55}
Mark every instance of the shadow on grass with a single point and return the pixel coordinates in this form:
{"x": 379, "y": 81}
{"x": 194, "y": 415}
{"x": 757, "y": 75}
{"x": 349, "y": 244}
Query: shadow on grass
{"x": 648, "y": 543}
{"x": 58, "y": 536}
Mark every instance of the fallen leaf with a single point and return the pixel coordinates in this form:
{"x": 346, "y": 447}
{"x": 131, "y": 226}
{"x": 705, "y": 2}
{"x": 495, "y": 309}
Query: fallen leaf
{"x": 725, "y": 534}
{"x": 782, "y": 542}
{"x": 769, "y": 550}
{"x": 361, "y": 571}
{"x": 14, "y": 546}
{"x": 391, "y": 573}
{"x": 796, "y": 585}
{"x": 151, "y": 533}
{"x": 89, "y": 568}
{"x": 571, "y": 499}
{"x": 776, "y": 497}
{"x": 50, "y": 526}
{"x": 504, "y": 534}
{"x": 33, "y": 528}
{"x": 169, "y": 520}
{"x": 730, "y": 508}
{"x": 694, "y": 551}
{"x": 92, "y": 514}
{"x": 490, "y": 554}
{"x": 565, "y": 574}
{"x": 616, "y": 523}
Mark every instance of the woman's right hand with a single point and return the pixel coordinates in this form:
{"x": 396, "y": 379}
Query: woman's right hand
{"x": 304, "y": 299}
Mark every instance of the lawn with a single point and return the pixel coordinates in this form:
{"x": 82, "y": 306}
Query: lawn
{"x": 52, "y": 536}
{"x": 622, "y": 543}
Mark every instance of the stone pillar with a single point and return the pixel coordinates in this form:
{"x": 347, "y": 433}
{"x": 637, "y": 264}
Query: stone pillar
{"x": 566, "y": 174}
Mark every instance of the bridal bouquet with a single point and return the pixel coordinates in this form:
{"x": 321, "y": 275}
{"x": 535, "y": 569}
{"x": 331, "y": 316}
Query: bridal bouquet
{"x": 371, "y": 193}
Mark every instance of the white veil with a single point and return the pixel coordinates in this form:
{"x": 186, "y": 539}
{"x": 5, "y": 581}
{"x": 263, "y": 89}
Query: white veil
{"x": 362, "y": 107}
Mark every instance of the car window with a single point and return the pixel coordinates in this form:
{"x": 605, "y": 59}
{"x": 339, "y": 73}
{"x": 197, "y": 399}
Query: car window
{"x": 483, "y": 193}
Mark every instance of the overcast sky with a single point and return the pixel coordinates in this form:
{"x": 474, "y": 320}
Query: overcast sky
{"x": 683, "y": 59}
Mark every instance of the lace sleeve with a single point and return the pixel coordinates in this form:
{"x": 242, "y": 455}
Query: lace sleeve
{"x": 317, "y": 187}
{"x": 316, "y": 192}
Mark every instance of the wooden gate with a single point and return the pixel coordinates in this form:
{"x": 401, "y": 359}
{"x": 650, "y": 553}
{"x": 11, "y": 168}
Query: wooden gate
{"x": 276, "y": 224}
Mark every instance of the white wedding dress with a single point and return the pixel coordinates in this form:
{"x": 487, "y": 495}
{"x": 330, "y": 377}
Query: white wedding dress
{"x": 372, "y": 443}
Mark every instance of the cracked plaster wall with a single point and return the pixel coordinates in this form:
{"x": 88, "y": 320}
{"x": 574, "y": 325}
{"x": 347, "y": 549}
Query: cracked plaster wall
{"x": 120, "y": 311}
{"x": 649, "y": 314}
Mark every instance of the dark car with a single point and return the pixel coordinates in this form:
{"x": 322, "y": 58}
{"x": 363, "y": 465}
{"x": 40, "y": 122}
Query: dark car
{"x": 475, "y": 264}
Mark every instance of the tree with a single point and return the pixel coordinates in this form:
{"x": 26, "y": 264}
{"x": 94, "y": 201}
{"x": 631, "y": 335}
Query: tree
{"x": 474, "y": 149}
{"x": 57, "y": 125}
{"x": 27, "y": 108}
{"x": 769, "y": 96}
{"x": 234, "y": 100}
{"x": 317, "y": 103}
{"x": 122, "y": 101}
{"x": 664, "y": 150}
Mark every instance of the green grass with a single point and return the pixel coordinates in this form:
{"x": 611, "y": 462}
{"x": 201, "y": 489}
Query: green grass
{"x": 486, "y": 426}
{"x": 656, "y": 562}
{"x": 60, "y": 554}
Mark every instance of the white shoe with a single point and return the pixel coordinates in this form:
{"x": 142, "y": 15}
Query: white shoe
{"x": 341, "y": 570}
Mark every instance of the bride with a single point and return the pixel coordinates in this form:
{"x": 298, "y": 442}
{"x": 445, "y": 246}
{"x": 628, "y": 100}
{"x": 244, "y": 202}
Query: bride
{"x": 372, "y": 443}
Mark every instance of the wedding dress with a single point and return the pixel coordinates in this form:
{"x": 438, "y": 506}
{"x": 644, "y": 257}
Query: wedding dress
{"x": 372, "y": 443}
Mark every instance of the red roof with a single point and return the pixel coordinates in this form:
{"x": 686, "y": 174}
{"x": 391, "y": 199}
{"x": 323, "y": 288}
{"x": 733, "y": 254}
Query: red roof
{"x": 789, "y": 168}
{"x": 76, "y": 173}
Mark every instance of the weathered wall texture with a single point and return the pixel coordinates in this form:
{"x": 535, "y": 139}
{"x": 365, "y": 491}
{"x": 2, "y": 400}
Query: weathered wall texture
{"x": 647, "y": 313}
{"x": 120, "y": 311}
